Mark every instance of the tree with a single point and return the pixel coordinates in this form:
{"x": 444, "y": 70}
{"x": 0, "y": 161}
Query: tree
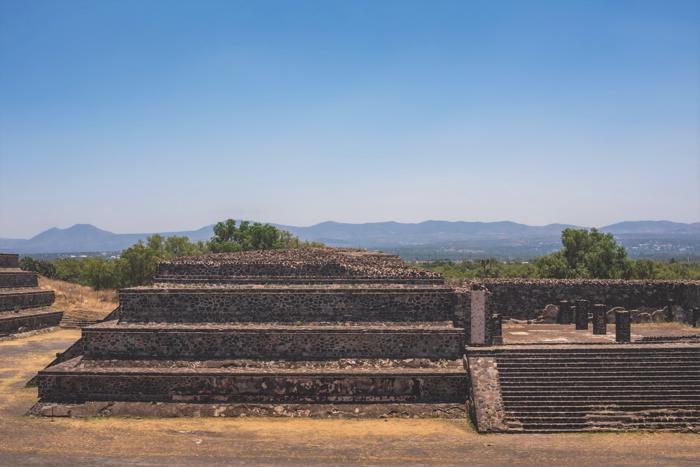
{"x": 252, "y": 236}
{"x": 45, "y": 268}
{"x": 586, "y": 254}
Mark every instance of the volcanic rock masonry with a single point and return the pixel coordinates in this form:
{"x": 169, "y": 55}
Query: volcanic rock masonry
{"x": 23, "y": 305}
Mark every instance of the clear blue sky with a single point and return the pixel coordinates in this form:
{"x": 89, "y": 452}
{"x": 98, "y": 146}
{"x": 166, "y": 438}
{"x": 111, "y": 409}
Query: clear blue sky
{"x": 149, "y": 116}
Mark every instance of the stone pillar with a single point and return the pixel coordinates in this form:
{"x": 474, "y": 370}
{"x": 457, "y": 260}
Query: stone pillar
{"x": 695, "y": 316}
{"x": 583, "y": 307}
{"x": 564, "y": 316}
{"x": 497, "y": 334}
{"x": 600, "y": 319}
{"x": 479, "y": 325}
{"x": 623, "y": 332}
{"x": 669, "y": 311}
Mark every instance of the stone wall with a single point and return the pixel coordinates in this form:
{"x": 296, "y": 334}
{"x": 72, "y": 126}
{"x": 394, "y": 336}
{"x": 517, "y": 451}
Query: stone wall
{"x": 11, "y": 322}
{"x": 13, "y": 299}
{"x": 211, "y": 386}
{"x": 16, "y": 278}
{"x": 9, "y": 260}
{"x": 287, "y": 304}
{"x": 272, "y": 343}
{"x": 526, "y": 298}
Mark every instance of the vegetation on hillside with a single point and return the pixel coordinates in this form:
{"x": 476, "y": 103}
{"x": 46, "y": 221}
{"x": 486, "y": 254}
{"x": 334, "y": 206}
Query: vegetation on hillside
{"x": 137, "y": 264}
{"x": 584, "y": 254}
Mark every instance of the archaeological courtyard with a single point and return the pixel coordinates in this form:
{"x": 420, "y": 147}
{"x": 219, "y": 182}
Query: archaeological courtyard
{"x": 352, "y": 334}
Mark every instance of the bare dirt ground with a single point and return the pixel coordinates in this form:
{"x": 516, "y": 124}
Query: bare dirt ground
{"x": 522, "y": 333}
{"x": 214, "y": 441}
{"x": 78, "y": 301}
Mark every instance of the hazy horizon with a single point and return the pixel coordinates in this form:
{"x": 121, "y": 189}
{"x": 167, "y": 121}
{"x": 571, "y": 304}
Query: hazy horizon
{"x": 194, "y": 228}
{"x": 168, "y": 116}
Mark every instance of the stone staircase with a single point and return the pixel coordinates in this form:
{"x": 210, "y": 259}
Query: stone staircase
{"x": 23, "y": 305}
{"x": 596, "y": 387}
{"x": 385, "y": 347}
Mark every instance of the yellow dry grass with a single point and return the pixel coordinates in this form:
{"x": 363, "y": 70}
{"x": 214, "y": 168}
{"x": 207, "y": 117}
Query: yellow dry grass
{"x": 79, "y": 301}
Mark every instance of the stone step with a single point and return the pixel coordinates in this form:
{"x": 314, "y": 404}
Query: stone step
{"x": 612, "y": 366}
{"x": 551, "y": 426}
{"x": 587, "y": 386}
{"x": 16, "y": 278}
{"x": 572, "y": 350}
{"x": 9, "y": 260}
{"x": 559, "y": 405}
{"x": 225, "y": 381}
{"x": 601, "y": 399}
{"x": 600, "y": 358}
{"x": 604, "y": 416}
{"x": 274, "y": 341}
{"x": 584, "y": 412}
{"x": 301, "y": 303}
{"x": 580, "y": 381}
{"x": 28, "y": 319}
{"x": 26, "y": 297}
{"x": 651, "y": 356}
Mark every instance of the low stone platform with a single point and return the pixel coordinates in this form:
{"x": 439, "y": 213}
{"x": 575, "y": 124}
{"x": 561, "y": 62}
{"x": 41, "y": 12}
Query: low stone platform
{"x": 187, "y": 409}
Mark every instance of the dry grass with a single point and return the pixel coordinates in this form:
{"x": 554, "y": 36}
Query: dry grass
{"x": 79, "y": 301}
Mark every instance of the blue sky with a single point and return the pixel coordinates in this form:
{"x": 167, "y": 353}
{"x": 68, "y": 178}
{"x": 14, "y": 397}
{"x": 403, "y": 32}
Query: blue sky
{"x": 145, "y": 116}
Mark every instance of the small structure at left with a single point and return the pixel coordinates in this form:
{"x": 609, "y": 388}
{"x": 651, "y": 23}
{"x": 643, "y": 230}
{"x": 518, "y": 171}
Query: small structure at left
{"x": 23, "y": 305}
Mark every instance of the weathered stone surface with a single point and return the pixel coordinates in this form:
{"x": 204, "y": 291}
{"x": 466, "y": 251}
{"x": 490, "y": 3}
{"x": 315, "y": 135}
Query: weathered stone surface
{"x": 287, "y": 303}
{"x": 23, "y": 305}
{"x": 550, "y": 314}
{"x": 583, "y": 309}
{"x": 480, "y": 332}
{"x": 623, "y": 333}
{"x": 485, "y": 403}
{"x": 313, "y": 327}
{"x": 600, "y": 320}
{"x": 525, "y": 298}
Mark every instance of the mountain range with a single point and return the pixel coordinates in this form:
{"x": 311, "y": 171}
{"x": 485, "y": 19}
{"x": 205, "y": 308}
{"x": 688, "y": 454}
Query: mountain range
{"x": 425, "y": 240}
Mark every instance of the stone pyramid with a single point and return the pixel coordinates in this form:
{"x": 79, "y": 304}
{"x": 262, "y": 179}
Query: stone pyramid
{"x": 305, "y": 332}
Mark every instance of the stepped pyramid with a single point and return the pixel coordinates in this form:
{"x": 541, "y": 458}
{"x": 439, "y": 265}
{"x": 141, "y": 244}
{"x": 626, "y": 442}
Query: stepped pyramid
{"x": 23, "y": 305}
{"x": 319, "y": 331}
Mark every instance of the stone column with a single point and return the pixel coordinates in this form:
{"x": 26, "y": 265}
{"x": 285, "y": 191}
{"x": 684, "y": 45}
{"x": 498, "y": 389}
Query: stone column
{"x": 623, "y": 332}
{"x": 564, "y": 316}
{"x": 497, "y": 335}
{"x": 695, "y": 316}
{"x": 600, "y": 320}
{"x": 583, "y": 307}
{"x": 479, "y": 326}
{"x": 669, "y": 311}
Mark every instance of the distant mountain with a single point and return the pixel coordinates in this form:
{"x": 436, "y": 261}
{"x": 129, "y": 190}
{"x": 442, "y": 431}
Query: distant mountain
{"x": 652, "y": 228}
{"x": 425, "y": 240}
{"x": 392, "y": 234}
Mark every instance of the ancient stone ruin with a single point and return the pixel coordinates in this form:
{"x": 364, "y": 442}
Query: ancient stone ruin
{"x": 351, "y": 333}
{"x": 322, "y": 332}
{"x": 23, "y": 305}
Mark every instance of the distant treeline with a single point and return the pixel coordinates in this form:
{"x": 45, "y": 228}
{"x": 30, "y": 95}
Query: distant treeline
{"x": 137, "y": 264}
{"x": 584, "y": 254}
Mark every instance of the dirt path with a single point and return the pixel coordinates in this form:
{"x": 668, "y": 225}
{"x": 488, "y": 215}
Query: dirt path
{"x": 176, "y": 442}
